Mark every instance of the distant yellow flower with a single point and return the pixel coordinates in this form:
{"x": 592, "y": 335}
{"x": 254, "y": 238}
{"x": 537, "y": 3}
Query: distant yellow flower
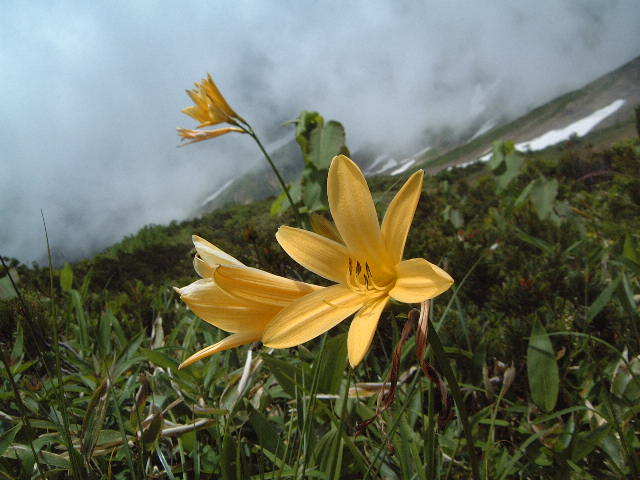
{"x": 245, "y": 315}
{"x": 210, "y": 108}
{"x": 367, "y": 264}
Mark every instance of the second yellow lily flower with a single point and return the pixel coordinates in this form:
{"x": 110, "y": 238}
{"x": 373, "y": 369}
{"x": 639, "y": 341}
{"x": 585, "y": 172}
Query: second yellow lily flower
{"x": 209, "y": 108}
{"x": 245, "y": 316}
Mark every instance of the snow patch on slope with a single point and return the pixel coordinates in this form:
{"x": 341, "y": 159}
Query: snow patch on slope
{"x": 580, "y": 128}
{"x": 391, "y": 166}
{"x": 215, "y": 194}
{"x": 552, "y": 137}
{"x": 403, "y": 168}
{"x": 486, "y": 126}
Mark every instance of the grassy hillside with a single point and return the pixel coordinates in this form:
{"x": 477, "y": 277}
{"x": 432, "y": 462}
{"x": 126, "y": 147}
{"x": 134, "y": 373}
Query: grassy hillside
{"x": 542, "y": 331}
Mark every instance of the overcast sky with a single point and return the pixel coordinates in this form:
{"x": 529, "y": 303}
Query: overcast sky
{"x": 92, "y": 91}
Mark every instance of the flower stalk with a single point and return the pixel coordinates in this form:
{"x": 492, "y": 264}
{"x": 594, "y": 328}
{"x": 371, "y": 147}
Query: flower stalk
{"x": 456, "y": 393}
{"x": 210, "y": 108}
{"x": 283, "y": 185}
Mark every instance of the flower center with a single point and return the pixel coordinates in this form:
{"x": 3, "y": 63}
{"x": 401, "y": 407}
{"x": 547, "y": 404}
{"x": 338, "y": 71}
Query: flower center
{"x": 362, "y": 280}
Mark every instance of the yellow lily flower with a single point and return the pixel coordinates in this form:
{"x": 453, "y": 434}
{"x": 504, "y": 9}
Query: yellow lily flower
{"x": 210, "y": 108}
{"x": 245, "y": 317}
{"x": 367, "y": 265}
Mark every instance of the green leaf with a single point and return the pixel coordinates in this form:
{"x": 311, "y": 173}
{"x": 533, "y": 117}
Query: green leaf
{"x": 281, "y": 203}
{"x": 543, "y": 196}
{"x": 7, "y": 292}
{"x": 23, "y": 453}
{"x": 629, "y": 250}
{"x": 524, "y": 195}
{"x": 313, "y": 184}
{"x": 305, "y": 124}
{"x": 543, "y": 245}
{"x": 333, "y": 365}
{"x": 286, "y": 373}
{"x": 603, "y": 299}
{"x": 586, "y": 442}
{"x": 7, "y": 437}
{"x": 269, "y": 436}
{"x": 78, "y": 306}
{"x": 104, "y": 334}
{"x": 542, "y": 369}
{"x": 66, "y": 277}
{"x": 514, "y": 163}
{"x": 325, "y": 143}
{"x": 228, "y": 457}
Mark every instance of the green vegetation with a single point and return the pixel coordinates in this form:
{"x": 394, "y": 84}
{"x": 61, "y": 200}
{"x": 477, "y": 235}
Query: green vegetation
{"x": 541, "y": 331}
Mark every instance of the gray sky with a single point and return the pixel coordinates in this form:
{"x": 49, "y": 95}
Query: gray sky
{"x": 92, "y": 91}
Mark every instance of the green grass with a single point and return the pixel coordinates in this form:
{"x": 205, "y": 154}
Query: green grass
{"x": 540, "y": 333}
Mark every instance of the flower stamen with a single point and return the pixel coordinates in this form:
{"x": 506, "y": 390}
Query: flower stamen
{"x": 361, "y": 279}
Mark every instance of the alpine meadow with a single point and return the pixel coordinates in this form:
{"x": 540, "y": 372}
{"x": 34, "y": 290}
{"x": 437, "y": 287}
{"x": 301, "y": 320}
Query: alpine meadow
{"x": 338, "y": 311}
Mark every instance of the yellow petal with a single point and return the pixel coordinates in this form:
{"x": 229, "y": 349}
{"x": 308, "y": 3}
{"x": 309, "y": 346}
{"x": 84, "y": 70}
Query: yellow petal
{"x": 215, "y": 306}
{"x": 212, "y": 254}
{"x": 314, "y": 252}
{"x": 419, "y": 280}
{"x": 325, "y": 227}
{"x": 399, "y": 216}
{"x": 231, "y": 341}
{"x": 197, "y": 113}
{"x": 216, "y": 97}
{"x": 311, "y": 316}
{"x": 259, "y": 286}
{"x": 202, "y": 268}
{"x": 200, "y": 135}
{"x": 354, "y": 212}
{"x": 362, "y": 329}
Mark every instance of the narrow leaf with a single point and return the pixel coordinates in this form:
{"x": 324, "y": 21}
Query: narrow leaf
{"x": 542, "y": 369}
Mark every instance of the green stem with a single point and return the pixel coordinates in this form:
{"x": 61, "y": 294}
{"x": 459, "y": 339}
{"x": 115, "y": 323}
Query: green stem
{"x": 445, "y": 367}
{"x": 283, "y": 185}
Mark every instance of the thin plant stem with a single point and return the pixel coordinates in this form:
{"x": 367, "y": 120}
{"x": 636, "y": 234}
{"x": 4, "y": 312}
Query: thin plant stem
{"x": 74, "y": 457}
{"x": 445, "y": 367}
{"x": 394, "y": 425}
{"x": 283, "y": 185}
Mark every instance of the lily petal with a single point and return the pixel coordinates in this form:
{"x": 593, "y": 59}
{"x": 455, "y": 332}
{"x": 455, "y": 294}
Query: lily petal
{"x": 354, "y": 212}
{"x": 202, "y": 268}
{"x": 311, "y": 316}
{"x": 195, "y": 136}
{"x": 213, "y": 93}
{"x": 419, "y": 280}
{"x": 399, "y": 215}
{"x": 325, "y": 227}
{"x": 259, "y": 286}
{"x": 362, "y": 329}
{"x": 212, "y": 254}
{"x": 209, "y": 302}
{"x": 314, "y": 252}
{"x": 232, "y": 341}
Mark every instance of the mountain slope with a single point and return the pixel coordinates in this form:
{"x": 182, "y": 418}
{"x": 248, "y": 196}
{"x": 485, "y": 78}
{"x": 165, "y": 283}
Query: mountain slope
{"x": 602, "y": 112}
{"x": 621, "y": 84}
